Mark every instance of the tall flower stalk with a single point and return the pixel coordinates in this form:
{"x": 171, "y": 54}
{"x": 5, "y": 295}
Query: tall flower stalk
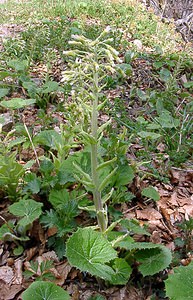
{"x": 89, "y": 64}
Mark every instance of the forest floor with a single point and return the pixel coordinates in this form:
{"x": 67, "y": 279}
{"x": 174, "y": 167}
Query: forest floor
{"x": 151, "y": 108}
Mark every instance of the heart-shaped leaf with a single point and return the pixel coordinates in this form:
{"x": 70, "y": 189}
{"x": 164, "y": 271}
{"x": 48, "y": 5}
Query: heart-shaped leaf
{"x": 89, "y": 251}
{"x": 122, "y": 272}
{"x": 29, "y": 209}
{"x": 3, "y": 92}
{"x": 153, "y": 260}
{"x": 41, "y": 290}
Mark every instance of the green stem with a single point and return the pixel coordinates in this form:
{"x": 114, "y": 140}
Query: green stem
{"x": 101, "y": 215}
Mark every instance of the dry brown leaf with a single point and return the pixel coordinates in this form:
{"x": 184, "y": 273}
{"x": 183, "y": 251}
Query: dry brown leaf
{"x": 50, "y": 255}
{"x": 124, "y": 293}
{"x": 63, "y": 270}
{"x": 184, "y": 201}
{"x": 51, "y": 231}
{"x": 6, "y": 274}
{"x": 173, "y": 199}
{"x": 163, "y": 202}
{"x": 18, "y": 277}
{"x": 30, "y": 253}
{"x": 155, "y": 237}
{"x": 73, "y": 290}
{"x": 148, "y": 214}
{"x": 9, "y": 292}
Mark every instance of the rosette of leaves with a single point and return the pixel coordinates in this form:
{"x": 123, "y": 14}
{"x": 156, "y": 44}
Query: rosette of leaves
{"x": 92, "y": 252}
{"x": 61, "y": 218}
{"x": 11, "y": 173}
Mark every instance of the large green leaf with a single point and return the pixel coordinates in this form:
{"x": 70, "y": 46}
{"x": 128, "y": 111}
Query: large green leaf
{"x": 149, "y": 135}
{"x": 150, "y": 192}
{"x": 16, "y": 103}
{"x": 50, "y": 86}
{"x": 124, "y": 175}
{"x": 89, "y": 251}
{"x": 153, "y": 260}
{"x": 18, "y": 65}
{"x": 41, "y": 290}
{"x": 133, "y": 226}
{"x": 58, "y": 197}
{"x": 29, "y": 209}
{"x": 179, "y": 286}
{"x": 48, "y": 138}
{"x": 3, "y": 92}
{"x": 122, "y": 272}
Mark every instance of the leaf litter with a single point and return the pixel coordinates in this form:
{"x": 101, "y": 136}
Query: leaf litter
{"x": 163, "y": 216}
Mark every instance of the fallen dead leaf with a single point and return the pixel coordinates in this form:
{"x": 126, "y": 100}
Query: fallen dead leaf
{"x": 9, "y": 292}
{"x": 148, "y": 214}
{"x": 18, "y": 277}
{"x": 6, "y": 274}
{"x": 63, "y": 270}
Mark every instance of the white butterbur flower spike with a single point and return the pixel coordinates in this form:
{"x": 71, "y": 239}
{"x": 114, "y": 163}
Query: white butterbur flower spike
{"x": 108, "y": 29}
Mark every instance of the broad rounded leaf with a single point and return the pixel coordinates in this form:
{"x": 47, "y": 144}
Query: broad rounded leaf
{"x": 179, "y": 285}
{"x": 41, "y": 290}
{"x": 150, "y": 192}
{"x": 122, "y": 272}
{"x": 149, "y": 135}
{"x": 124, "y": 175}
{"x": 29, "y": 209}
{"x": 3, "y": 92}
{"x": 153, "y": 260}
{"x": 89, "y": 251}
{"x": 16, "y": 103}
{"x": 58, "y": 197}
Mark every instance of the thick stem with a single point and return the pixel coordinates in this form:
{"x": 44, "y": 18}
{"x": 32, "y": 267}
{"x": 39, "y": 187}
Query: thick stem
{"x": 101, "y": 215}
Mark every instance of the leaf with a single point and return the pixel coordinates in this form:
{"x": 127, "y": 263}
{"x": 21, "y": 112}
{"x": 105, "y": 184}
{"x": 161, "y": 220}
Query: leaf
{"x": 16, "y": 142}
{"x": 151, "y": 193}
{"x": 122, "y": 272}
{"x": 18, "y": 65}
{"x": 124, "y": 175}
{"x": 188, "y": 84}
{"x": 50, "y": 86}
{"x": 48, "y": 138}
{"x": 33, "y": 183}
{"x": 166, "y": 120}
{"x": 4, "y": 229}
{"x": 153, "y": 260}
{"x": 165, "y": 74}
{"x": 106, "y": 181}
{"x": 89, "y": 251}
{"x": 126, "y": 244}
{"x": 60, "y": 197}
{"x": 41, "y": 290}
{"x": 3, "y": 92}
{"x": 179, "y": 285}
{"x": 17, "y": 103}
{"x": 149, "y": 135}
{"x": 29, "y": 209}
{"x": 18, "y": 251}
{"x": 134, "y": 226}
{"x": 126, "y": 68}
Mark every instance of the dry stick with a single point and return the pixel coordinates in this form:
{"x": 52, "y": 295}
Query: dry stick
{"x": 136, "y": 206}
{"x": 11, "y": 229}
{"x": 34, "y": 150}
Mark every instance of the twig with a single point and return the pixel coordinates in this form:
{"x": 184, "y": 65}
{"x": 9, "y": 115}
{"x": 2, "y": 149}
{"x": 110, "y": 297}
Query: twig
{"x": 33, "y": 147}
